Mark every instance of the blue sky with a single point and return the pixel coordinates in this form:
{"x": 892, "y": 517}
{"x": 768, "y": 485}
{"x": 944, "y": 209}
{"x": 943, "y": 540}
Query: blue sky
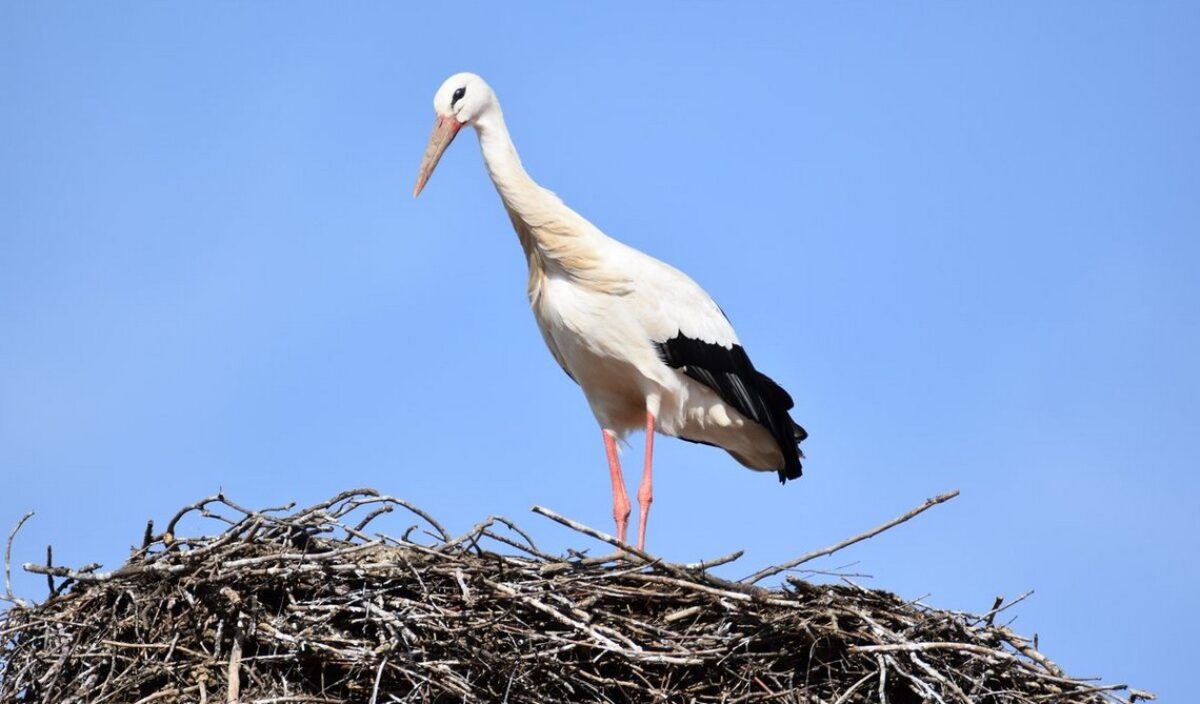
{"x": 965, "y": 237}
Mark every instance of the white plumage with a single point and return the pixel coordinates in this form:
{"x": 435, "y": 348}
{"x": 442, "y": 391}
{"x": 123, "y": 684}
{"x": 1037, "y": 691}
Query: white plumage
{"x": 647, "y": 345}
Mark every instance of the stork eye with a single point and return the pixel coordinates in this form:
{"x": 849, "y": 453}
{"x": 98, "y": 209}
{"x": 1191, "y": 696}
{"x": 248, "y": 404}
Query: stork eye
{"x": 458, "y": 95}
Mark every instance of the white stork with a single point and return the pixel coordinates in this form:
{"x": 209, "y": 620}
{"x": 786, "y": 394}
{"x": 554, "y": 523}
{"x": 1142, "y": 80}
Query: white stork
{"x": 648, "y": 346}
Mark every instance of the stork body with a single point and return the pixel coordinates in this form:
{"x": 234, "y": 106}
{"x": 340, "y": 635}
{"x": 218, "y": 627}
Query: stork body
{"x": 649, "y": 348}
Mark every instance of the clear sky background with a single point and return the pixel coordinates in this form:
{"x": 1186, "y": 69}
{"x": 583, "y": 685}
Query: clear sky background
{"x": 966, "y": 237}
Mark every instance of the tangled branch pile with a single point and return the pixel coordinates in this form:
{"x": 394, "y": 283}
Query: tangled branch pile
{"x": 307, "y": 605}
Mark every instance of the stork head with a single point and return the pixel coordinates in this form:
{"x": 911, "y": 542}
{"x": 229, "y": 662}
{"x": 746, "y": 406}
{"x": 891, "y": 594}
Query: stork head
{"x": 461, "y": 100}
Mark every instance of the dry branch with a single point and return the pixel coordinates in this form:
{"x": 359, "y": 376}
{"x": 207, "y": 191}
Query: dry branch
{"x": 8, "y": 592}
{"x": 808, "y": 557}
{"x": 302, "y": 605}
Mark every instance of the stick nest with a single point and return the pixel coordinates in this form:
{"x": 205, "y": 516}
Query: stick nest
{"x": 308, "y": 605}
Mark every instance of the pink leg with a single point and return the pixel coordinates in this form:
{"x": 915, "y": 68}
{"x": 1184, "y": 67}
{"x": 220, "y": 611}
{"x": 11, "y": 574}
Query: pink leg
{"x": 620, "y": 498}
{"x": 645, "y": 495}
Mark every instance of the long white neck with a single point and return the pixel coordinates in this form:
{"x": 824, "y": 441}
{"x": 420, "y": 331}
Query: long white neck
{"x": 556, "y": 240}
{"x": 521, "y": 195}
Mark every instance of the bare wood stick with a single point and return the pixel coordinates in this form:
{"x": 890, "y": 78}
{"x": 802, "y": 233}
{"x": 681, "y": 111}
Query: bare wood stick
{"x": 378, "y": 676}
{"x": 882, "y": 679}
{"x": 1032, "y": 653}
{"x": 677, "y": 570}
{"x": 555, "y": 614}
{"x": 303, "y": 557}
{"x": 49, "y": 577}
{"x": 82, "y": 575}
{"x": 991, "y": 615}
{"x": 716, "y": 561}
{"x": 148, "y": 535}
{"x": 169, "y": 692}
{"x": 1000, "y": 607}
{"x": 925, "y": 689}
{"x": 475, "y": 532}
{"x": 517, "y": 529}
{"x": 918, "y": 647}
{"x": 681, "y": 613}
{"x": 297, "y": 699}
{"x": 592, "y": 532}
{"x": 374, "y": 498}
{"x": 8, "y": 592}
{"x": 233, "y": 674}
{"x": 328, "y": 503}
{"x": 946, "y": 682}
{"x": 386, "y": 508}
{"x": 487, "y": 533}
{"x": 155, "y": 646}
{"x": 772, "y": 571}
{"x": 168, "y": 535}
{"x": 976, "y": 649}
{"x": 561, "y": 565}
{"x": 854, "y": 688}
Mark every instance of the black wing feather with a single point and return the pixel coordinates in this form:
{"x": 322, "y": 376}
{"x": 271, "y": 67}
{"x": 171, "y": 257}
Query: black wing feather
{"x": 729, "y": 372}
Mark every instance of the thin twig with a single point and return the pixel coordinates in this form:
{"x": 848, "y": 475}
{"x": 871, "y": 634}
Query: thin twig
{"x": 378, "y": 677}
{"x": 771, "y": 571}
{"x": 8, "y": 592}
{"x": 676, "y": 570}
